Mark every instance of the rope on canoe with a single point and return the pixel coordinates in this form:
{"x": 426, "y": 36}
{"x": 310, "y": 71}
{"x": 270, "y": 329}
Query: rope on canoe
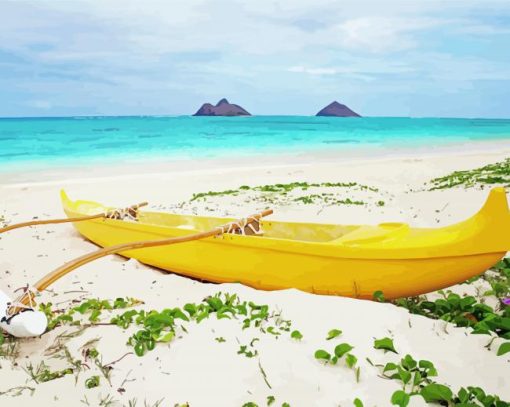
{"x": 129, "y": 213}
{"x": 29, "y": 293}
{"x": 240, "y": 227}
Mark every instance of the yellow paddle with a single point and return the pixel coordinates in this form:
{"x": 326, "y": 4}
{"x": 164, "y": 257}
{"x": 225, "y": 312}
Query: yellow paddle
{"x": 112, "y": 214}
{"x": 242, "y": 226}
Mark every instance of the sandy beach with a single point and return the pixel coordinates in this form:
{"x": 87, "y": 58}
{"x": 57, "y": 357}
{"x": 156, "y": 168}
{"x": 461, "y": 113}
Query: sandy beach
{"x": 196, "y": 367}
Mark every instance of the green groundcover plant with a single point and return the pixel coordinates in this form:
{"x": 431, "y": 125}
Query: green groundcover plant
{"x": 492, "y": 174}
{"x": 468, "y": 311}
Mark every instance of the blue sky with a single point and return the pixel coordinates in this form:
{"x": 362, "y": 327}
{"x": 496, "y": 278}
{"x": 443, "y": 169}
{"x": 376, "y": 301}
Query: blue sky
{"x": 381, "y": 58}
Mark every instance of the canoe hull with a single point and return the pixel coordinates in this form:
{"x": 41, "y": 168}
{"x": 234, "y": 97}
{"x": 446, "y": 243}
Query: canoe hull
{"x": 222, "y": 260}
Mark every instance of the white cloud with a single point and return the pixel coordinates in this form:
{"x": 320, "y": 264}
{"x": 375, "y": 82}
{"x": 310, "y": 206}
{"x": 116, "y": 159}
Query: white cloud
{"x": 259, "y": 28}
{"x": 383, "y": 34}
{"x": 314, "y": 71}
{"x": 116, "y": 51}
{"x": 481, "y": 29}
{"x": 40, "y": 104}
{"x": 346, "y": 73}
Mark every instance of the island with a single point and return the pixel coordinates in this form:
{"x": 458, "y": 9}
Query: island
{"x": 222, "y": 108}
{"x": 337, "y": 110}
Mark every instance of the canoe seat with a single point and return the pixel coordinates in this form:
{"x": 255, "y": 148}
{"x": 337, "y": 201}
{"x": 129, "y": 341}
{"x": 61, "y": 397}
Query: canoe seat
{"x": 369, "y": 234}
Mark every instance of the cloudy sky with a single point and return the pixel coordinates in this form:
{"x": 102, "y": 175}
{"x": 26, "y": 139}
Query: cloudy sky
{"x": 382, "y": 58}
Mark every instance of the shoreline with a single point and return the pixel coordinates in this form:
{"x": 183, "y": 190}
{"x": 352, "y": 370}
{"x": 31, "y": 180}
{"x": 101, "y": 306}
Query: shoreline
{"x": 194, "y": 165}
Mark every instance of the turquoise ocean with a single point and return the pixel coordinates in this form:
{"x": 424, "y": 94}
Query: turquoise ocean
{"x": 43, "y": 142}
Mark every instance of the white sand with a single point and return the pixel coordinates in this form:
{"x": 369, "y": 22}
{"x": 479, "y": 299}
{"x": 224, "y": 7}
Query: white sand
{"x": 194, "y": 367}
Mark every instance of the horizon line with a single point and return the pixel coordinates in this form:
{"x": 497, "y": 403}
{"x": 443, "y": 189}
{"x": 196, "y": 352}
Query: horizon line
{"x": 247, "y": 116}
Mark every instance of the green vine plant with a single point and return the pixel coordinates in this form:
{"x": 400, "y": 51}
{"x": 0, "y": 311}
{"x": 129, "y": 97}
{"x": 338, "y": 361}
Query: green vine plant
{"x": 153, "y": 327}
{"x": 492, "y": 174}
{"x": 468, "y": 311}
{"x": 92, "y": 308}
{"x": 283, "y": 188}
{"x": 338, "y": 353}
{"x": 416, "y": 378}
{"x": 160, "y": 326}
{"x": 324, "y": 194}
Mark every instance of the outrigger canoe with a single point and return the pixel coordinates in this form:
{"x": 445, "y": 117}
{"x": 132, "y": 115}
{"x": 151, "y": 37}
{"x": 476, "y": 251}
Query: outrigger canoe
{"x": 346, "y": 260}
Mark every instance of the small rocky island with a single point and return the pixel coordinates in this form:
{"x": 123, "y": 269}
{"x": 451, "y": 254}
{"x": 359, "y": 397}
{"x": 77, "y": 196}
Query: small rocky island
{"x": 222, "y": 108}
{"x": 338, "y": 110}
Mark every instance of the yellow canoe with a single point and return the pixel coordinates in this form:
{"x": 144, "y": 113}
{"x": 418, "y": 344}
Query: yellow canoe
{"x": 347, "y": 260}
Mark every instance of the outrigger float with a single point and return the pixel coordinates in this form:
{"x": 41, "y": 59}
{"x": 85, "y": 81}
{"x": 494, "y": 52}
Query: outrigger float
{"x": 345, "y": 260}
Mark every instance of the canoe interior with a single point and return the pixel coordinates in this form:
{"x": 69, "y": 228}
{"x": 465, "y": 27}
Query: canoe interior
{"x": 280, "y": 230}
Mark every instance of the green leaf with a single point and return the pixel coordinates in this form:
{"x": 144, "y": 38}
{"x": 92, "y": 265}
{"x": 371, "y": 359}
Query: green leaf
{"x": 436, "y": 392}
{"x": 202, "y": 315}
{"x": 417, "y": 378}
{"x": 120, "y": 303}
{"x": 400, "y": 398}
{"x": 83, "y": 308}
{"x": 358, "y": 403}
{"x": 94, "y": 316}
{"x": 92, "y": 382}
{"x": 167, "y": 337}
{"x": 322, "y": 355}
{"x": 333, "y": 334}
{"x": 408, "y": 362}
{"x": 296, "y": 335}
{"x": 503, "y": 348}
{"x": 389, "y": 367}
{"x": 385, "y": 344}
{"x": 140, "y": 349}
{"x": 467, "y": 302}
{"x": 214, "y": 302}
{"x": 270, "y": 400}
{"x": 342, "y": 349}
{"x": 378, "y": 296}
{"x": 425, "y": 364}
{"x": 463, "y": 395}
{"x": 191, "y": 309}
{"x": 178, "y": 314}
{"x": 404, "y": 375}
{"x": 151, "y": 344}
{"x": 285, "y": 405}
{"x": 351, "y": 360}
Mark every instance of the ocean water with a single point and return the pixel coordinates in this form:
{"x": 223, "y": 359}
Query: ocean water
{"x": 41, "y": 142}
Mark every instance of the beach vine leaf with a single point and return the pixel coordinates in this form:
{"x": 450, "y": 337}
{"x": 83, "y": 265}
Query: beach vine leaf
{"x": 333, "y": 334}
{"x": 378, "y": 296}
{"x": 321, "y": 354}
{"x": 435, "y": 392}
{"x": 358, "y": 402}
{"x": 385, "y": 344}
{"x": 351, "y": 360}
{"x": 92, "y": 382}
{"x": 504, "y": 348}
{"x": 342, "y": 349}
{"x": 296, "y": 335}
{"x": 400, "y": 398}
